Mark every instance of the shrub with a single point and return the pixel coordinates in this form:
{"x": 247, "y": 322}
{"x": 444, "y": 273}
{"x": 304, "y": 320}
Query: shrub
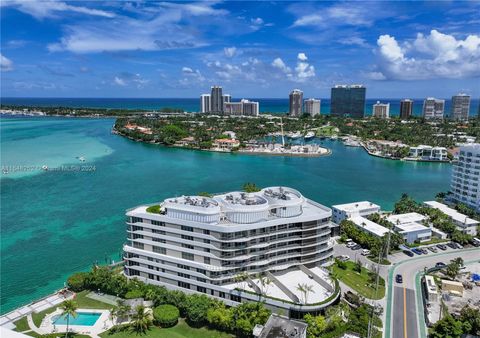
{"x": 154, "y": 209}
{"x": 132, "y": 294}
{"x": 166, "y": 315}
{"x": 76, "y": 282}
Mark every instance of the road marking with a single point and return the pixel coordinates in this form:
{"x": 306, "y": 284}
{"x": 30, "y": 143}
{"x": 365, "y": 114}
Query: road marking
{"x": 404, "y": 312}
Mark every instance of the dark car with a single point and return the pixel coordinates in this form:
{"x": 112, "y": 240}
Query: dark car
{"x": 418, "y": 252}
{"x": 441, "y": 247}
{"x": 408, "y": 253}
{"x": 399, "y": 278}
{"x": 356, "y": 247}
{"x": 424, "y": 251}
{"x": 440, "y": 265}
{"x": 451, "y": 245}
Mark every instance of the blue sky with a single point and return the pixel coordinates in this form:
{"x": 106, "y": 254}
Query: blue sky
{"x": 253, "y": 49}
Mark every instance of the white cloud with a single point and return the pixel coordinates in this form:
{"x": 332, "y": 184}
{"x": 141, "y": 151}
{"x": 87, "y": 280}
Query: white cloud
{"x": 257, "y": 21}
{"x": 170, "y": 26}
{"x": 49, "y": 9}
{"x": 230, "y": 51}
{"x": 119, "y": 81}
{"x": 5, "y": 64}
{"x": 302, "y": 57}
{"x": 351, "y": 14}
{"x": 187, "y": 70}
{"x": 375, "y": 76}
{"x": 303, "y": 70}
{"x": 125, "y": 79}
{"x": 160, "y": 33}
{"x": 436, "y": 55}
{"x": 354, "y": 41}
{"x": 278, "y": 63}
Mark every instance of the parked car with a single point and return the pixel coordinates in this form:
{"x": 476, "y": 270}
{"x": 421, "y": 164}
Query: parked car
{"x": 416, "y": 251}
{"x": 365, "y": 252}
{"x": 432, "y": 249}
{"x": 451, "y": 245}
{"x": 399, "y": 279}
{"x": 440, "y": 265}
{"x": 458, "y": 245}
{"x": 356, "y": 247}
{"x": 441, "y": 246}
{"x": 343, "y": 258}
{"x": 408, "y": 253}
{"x": 475, "y": 242}
{"x": 351, "y": 244}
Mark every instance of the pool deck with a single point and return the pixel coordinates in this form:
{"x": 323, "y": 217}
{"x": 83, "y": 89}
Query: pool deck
{"x": 52, "y": 300}
{"x": 102, "y": 324}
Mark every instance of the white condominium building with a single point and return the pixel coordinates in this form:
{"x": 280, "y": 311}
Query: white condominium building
{"x": 433, "y": 108}
{"x": 202, "y": 244}
{"x": 381, "y": 110}
{"x": 345, "y": 211}
{"x": 466, "y": 176}
{"x": 205, "y": 103}
{"x": 460, "y": 106}
{"x": 312, "y": 107}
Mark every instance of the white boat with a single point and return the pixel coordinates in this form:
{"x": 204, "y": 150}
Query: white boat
{"x": 309, "y": 135}
{"x": 44, "y": 167}
{"x": 82, "y": 159}
{"x": 295, "y": 135}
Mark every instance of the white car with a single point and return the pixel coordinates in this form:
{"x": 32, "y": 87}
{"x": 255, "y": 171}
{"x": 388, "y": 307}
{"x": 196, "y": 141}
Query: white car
{"x": 351, "y": 244}
{"x": 365, "y": 252}
{"x": 344, "y": 258}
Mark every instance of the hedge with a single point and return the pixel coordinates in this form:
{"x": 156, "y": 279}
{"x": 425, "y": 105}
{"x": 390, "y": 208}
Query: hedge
{"x": 166, "y": 315}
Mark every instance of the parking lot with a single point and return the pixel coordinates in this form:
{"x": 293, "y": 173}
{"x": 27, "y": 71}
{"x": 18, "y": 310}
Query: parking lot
{"x": 356, "y": 255}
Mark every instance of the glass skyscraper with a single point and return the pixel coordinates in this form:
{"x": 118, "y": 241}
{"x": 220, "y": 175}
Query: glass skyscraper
{"x": 348, "y": 100}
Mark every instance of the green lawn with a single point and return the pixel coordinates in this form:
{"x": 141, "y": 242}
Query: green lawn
{"x": 432, "y": 241}
{"x": 181, "y": 330}
{"x": 360, "y": 282}
{"x": 21, "y": 325}
{"x": 83, "y": 302}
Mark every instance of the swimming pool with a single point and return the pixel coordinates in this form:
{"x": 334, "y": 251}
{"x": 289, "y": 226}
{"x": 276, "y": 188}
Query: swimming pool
{"x": 82, "y": 318}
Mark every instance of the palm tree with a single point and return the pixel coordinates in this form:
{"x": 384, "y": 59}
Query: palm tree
{"x": 241, "y": 278}
{"x": 305, "y": 289}
{"x": 69, "y": 308}
{"x": 264, "y": 283}
{"x": 141, "y": 320}
{"x": 122, "y": 310}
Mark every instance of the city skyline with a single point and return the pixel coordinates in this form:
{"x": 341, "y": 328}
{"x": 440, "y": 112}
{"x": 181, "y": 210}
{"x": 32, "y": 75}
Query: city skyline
{"x": 253, "y": 49}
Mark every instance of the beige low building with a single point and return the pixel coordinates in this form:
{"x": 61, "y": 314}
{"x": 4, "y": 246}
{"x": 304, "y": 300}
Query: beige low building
{"x": 453, "y": 288}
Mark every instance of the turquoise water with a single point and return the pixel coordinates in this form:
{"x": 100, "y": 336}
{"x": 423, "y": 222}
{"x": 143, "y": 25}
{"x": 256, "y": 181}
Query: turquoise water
{"x": 56, "y": 222}
{"x": 192, "y": 104}
{"x": 82, "y": 318}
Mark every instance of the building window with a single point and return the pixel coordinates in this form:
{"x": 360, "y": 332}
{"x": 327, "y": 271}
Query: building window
{"x": 186, "y": 255}
{"x": 206, "y": 232}
{"x": 201, "y": 289}
{"x": 136, "y": 228}
{"x": 185, "y": 267}
{"x": 236, "y": 298}
{"x": 188, "y": 246}
{"x": 185, "y": 228}
{"x": 158, "y": 240}
{"x": 162, "y": 224}
{"x": 203, "y": 280}
{"x": 184, "y": 275}
{"x": 159, "y": 250}
{"x": 184, "y": 285}
{"x": 138, "y": 245}
{"x": 202, "y": 271}
{"x": 206, "y": 260}
{"x": 221, "y": 294}
{"x": 206, "y": 241}
{"x": 206, "y": 249}
{"x": 159, "y": 232}
{"x": 188, "y": 238}
{"x": 137, "y": 220}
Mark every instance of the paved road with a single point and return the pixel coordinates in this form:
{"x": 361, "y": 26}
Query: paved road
{"x": 405, "y": 321}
